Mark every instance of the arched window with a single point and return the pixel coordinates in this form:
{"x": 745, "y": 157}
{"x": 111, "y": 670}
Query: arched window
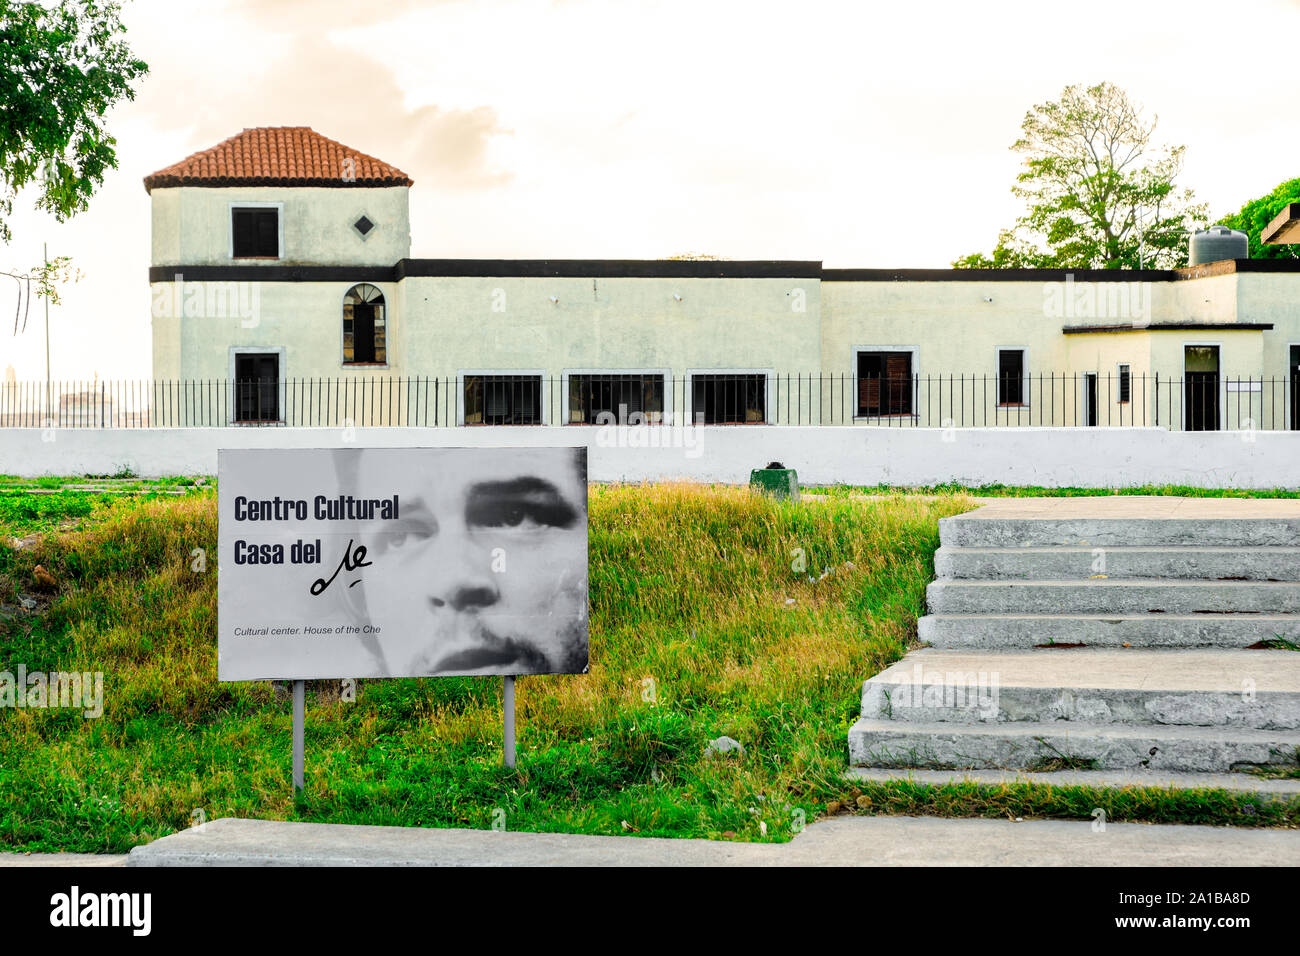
{"x": 364, "y": 326}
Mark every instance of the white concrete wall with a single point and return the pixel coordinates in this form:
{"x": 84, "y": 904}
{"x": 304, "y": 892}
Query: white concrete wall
{"x": 1088, "y": 457}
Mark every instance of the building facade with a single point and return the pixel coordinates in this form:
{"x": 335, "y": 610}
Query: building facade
{"x": 282, "y": 276}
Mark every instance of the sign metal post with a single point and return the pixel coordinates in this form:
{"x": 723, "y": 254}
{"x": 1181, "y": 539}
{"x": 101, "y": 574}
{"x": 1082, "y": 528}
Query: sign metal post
{"x": 299, "y": 706}
{"x": 508, "y": 737}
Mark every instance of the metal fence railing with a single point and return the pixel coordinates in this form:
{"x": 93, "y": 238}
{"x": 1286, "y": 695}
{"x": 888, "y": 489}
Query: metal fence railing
{"x": 1194, "y": 401}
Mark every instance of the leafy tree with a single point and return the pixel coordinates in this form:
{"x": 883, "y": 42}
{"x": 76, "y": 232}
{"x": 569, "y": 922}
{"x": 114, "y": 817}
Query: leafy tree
{"x": 1258, "y": 213}
{"x": 1098, "y": 194}
{"x": 63, "y": 65}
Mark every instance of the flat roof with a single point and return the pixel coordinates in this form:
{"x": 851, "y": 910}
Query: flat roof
{"x": 692, "y": 269}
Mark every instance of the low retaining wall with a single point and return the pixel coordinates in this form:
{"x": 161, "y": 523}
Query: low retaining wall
{"x": 1051, "y": 457}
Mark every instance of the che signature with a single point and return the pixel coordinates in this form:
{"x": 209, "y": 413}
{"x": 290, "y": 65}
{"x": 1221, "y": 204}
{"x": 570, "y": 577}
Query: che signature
{"x": 353, "y": 558}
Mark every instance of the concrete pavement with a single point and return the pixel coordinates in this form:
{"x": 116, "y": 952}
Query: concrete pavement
{"x": 841, "y": 841}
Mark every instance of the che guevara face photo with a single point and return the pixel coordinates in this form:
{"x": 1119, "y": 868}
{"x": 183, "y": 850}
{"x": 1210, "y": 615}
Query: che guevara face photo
{"x": 484, "y": 572}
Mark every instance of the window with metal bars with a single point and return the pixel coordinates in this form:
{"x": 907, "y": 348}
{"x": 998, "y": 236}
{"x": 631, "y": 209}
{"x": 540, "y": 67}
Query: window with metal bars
{"x": 626, "y": 398}
{"x": 257, "y": 387}
{"x": 1011, "y": 377}
{"x": 884, "y": 384}
{"x": 1125, "y": 384}
{"x": 729, "y": 399}
{"x": 503, "y": 399}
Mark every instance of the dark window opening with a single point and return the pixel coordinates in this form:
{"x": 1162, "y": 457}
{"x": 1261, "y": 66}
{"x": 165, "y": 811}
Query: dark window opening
{"x": 1011, "y": 377}
{"x": 726, "y": 399}
{"x": 1201, "y": 388}
{"x": 1125, "y": 384}
{"x": 364, "y": 327}
{"x": 1090, "y": 399}
{"x": 503, "y": 399}
{"x": 256, "y": 233}
{"x": 257, "y": 387}
{"x": 884, "y": 383}
{"x": 363, "y": 225}
{"x": 627, "y": 399}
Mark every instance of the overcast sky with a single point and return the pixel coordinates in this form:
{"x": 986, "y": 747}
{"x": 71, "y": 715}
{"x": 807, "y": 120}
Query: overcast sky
{"x": 871, "y": 135}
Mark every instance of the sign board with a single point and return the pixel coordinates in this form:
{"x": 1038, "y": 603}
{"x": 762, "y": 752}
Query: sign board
{"x": 401, "y": 562}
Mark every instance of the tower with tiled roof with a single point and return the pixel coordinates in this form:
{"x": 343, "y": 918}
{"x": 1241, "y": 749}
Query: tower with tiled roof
{"x": 237, "y": 227}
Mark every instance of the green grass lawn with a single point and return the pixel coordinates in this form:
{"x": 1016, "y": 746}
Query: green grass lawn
{"x": 700, "y": 627}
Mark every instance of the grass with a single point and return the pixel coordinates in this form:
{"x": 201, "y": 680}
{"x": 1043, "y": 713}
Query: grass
{"x": 700, "y": 627}
{"x": 42, "y": 505}
{"x": 1035, "y": 491}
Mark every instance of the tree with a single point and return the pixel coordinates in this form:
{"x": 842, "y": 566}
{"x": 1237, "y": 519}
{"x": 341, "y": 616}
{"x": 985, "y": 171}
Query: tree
{"x": 1098, "y": 194}
{"x": 62, "y": 67}
{"x": 1258, "y": 213}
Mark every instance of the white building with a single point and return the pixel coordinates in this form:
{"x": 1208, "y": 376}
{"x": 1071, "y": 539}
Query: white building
{"x": 282, "y": 276}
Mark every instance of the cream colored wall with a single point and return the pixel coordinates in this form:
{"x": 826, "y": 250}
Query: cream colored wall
{"x": 304, "y": 318}
{"x": 1273, "y": 298}
{"x": 191, "y": 225}
{"x": 454, "y": 324}
{"x": 1211, "y": 299}
{"x": 165, "y": 232}
{"x": 1103, "y": 353}
{"x": 441, "y": 327}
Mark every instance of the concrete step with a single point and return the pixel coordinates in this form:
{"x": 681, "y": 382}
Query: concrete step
{"x": 1209, "y": 688}
{"x": 1066, "y": 563}
{"x": 1106, "y": 630}
{"x": 1118, "y": 596}
{"x": 972, "y": 531}
{"x": 1265, "y": 788}
{"x": 1068, "y": 745}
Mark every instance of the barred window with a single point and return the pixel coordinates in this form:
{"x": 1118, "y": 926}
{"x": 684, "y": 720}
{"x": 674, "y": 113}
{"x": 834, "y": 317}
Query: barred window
{"x": 625, "y": 398}
{"x": 729, "y": 399}
{"x": 884, "y": 383}
{"x": 503, "y": 399}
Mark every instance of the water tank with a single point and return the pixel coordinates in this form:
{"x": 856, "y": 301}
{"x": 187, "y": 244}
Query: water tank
{"x": 1218, "y": 243}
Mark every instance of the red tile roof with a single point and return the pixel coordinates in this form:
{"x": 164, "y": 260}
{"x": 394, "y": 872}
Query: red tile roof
{"x": 278, "y": 156}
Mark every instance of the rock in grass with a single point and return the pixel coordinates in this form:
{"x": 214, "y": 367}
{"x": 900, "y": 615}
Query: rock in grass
{"x": 43, "y": 578}
{"x": 833, "y": 808}
{"x": 722, "y": 746}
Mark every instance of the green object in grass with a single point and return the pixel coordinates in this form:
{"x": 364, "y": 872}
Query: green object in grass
{"x": 776, "y": 480}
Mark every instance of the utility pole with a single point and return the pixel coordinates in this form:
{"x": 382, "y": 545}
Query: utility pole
{"x": 49, "y": 392}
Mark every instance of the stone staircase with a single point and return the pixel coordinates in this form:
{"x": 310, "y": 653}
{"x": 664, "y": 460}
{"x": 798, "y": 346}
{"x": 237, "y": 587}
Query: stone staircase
{"x": 1089, "y": 639}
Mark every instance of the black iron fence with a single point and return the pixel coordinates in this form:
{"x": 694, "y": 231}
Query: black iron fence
{"x": 1196, "y": 401}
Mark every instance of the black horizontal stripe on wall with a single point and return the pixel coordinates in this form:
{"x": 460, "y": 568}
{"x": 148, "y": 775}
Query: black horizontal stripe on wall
{"x": 691, "y": 269}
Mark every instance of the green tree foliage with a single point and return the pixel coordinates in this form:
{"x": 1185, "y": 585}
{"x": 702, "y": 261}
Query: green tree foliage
{"x": 1258, "y": 213}
{"x": 1098, "y": 193}
{"x": 62, "y": 67}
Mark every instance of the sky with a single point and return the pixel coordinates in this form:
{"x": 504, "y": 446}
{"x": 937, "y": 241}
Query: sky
{"x": 860, "y": 134}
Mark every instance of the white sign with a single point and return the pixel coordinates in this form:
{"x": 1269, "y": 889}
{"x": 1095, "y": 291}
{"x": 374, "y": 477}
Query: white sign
{"x": 401, "y": 562}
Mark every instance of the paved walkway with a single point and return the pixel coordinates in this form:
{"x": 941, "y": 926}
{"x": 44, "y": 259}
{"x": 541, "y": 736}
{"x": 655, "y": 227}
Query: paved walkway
{"x": 842, "y": 841}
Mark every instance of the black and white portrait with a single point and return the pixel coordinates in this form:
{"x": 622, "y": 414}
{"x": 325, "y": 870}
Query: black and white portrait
{"x": 402, "y": 562}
